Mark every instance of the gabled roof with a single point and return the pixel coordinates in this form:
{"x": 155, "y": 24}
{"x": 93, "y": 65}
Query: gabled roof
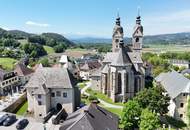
{"x": 90, "y": 65}
{"x": 23, "y": 70}
{"x": 105, "y": 69}
{"x": 91, "y": 117}
{"x": 174, "y": 83}
{"x": 108, "y": 58}
{"x": 52, "y": 78}
{"x": 122, "y": 58}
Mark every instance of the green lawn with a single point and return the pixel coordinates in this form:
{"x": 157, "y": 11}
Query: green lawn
{"x": 7, "y": 63}
{"x": 81, "y": 85}
{"x": 103, "y": 97}
{"x": 116, "y": 111}
{"x": 23, "y": 109}
{"x": 49, "y": 49}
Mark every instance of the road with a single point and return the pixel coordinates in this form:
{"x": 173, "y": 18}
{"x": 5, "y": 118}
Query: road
{"x": 106, "y": 104}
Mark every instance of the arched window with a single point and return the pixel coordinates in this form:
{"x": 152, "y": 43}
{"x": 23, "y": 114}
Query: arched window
{"x": 119, "y": 83}
{"x": 137, "y": 39}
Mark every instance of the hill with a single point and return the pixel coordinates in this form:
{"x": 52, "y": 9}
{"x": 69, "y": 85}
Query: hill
{"x": 58, "y": 38}
{"x": 176, "y": 38}
{"x": 17, "y": 34}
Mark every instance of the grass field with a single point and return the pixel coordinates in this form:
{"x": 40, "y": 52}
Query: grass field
{"x": 49, "y": 50}
{"x": 165, "y": 48}
{"x": 116, "y": 111}
{"x": 103, "y": 97}
{"x": 7, "y": 63}
{"x": 23, "y": 109}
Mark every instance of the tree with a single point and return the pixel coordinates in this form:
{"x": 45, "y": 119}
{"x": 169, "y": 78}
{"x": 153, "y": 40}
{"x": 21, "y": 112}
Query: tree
{"x": 45, "y": 62}
{"x": 37, "y": 39}
{"x": 149, "y": 120}
{"x": 34, "y": 50}
{"x": 130, "y": 115}
{"x": 154, "y": 99}
{"x": 59, "y": 48}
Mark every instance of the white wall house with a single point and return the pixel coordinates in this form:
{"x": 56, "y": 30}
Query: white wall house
{"x": 178, "y": 88}
{"x": 180, "y": 63}
{"x": 9, "y": 82}
{"x": 52, "y": 88}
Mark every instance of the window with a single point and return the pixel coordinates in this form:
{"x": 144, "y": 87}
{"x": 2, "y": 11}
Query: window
{"x": 39, "y": 96}
{"x": 116, "y": 40}
{"x": 12, "y": 79}
{"x": 119, "y": 83}
{"x": 39, "y": 103}
{"x": 181, "y": 115}
{"x": 40, "y": 114}
{"x": 184, "y": 94}
{"x": 9, "y": 81}
{"x": 64, "y": 94}
{"x": 137, "y": 39}
{"x": 58, "y": 93}
{"x": 52, "y": 94}
{"x": 181, "y": 105}
{"x": 6, "y": 82}
{"x": 15, "y": 78}
{"x": 3, "y": 83}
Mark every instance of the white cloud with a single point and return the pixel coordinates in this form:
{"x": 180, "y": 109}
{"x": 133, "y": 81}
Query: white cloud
{"x": 6, "y": 28}
{"x": 167, "y": 23}
{"x": 31, "y": 23}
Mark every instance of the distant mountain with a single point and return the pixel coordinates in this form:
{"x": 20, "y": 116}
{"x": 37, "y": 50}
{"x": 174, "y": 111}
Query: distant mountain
{"x": 176, "y": 38}
{"x": 92, "y": 40}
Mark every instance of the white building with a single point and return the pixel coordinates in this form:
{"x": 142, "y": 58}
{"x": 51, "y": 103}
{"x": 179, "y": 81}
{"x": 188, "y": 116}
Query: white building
{"x": 64, "y": 61}
{"x": 52, "y": 88}
{"x": 9, "y": 82}
{"x": 179, "y": 63}
{"x": 178, "y": 88}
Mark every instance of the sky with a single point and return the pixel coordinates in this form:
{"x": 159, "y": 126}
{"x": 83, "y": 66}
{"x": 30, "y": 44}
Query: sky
{"x": 94, "y": 18}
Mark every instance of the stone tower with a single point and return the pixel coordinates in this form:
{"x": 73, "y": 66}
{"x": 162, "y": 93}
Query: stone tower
{"x": 137, "y": 36}
{"x": 117, "y": 35}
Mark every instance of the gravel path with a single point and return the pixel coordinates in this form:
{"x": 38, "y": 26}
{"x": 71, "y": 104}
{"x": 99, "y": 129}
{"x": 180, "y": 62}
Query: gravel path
{"x": 106, "y": 104}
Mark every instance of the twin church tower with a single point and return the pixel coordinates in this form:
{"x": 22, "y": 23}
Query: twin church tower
{"x": 123, "y": 72}
{"x": 137, "y": 35}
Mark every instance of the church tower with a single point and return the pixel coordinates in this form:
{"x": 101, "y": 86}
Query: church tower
{"x": 117, "y": 35}
{"x": 137, "y": 36}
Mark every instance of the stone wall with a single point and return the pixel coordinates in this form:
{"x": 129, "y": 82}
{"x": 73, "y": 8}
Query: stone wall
{"x": 16, "y": 105}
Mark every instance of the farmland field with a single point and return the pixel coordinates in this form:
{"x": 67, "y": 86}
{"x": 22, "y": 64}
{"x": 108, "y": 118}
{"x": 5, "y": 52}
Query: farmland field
{"x": 165, "y": 48}
{"x": 7, "y": 63}
{"x": 49, "y": 50}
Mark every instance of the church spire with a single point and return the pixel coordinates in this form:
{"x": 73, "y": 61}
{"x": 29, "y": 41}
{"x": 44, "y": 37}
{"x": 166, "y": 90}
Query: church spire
{"x": 138, "y": 19}
{"x": 118, "y": 19}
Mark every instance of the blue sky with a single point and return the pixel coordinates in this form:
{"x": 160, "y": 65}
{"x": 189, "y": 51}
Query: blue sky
{"x": 94, "y": 18}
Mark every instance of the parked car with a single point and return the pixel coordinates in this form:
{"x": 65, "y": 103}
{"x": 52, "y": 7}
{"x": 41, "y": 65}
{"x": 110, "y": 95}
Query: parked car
{"x": 10, "y": 120}
{"x": 22, "y": 124}
{"x": 3, "y": 118}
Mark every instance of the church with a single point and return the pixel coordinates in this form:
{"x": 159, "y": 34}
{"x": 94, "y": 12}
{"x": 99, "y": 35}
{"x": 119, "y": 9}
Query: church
{"x": 123, "y": 72}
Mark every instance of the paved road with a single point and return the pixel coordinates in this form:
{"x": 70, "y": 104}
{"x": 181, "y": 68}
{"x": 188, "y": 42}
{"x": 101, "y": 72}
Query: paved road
{"x": 106, "y": 104}
{"x": 33, "y": 125}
